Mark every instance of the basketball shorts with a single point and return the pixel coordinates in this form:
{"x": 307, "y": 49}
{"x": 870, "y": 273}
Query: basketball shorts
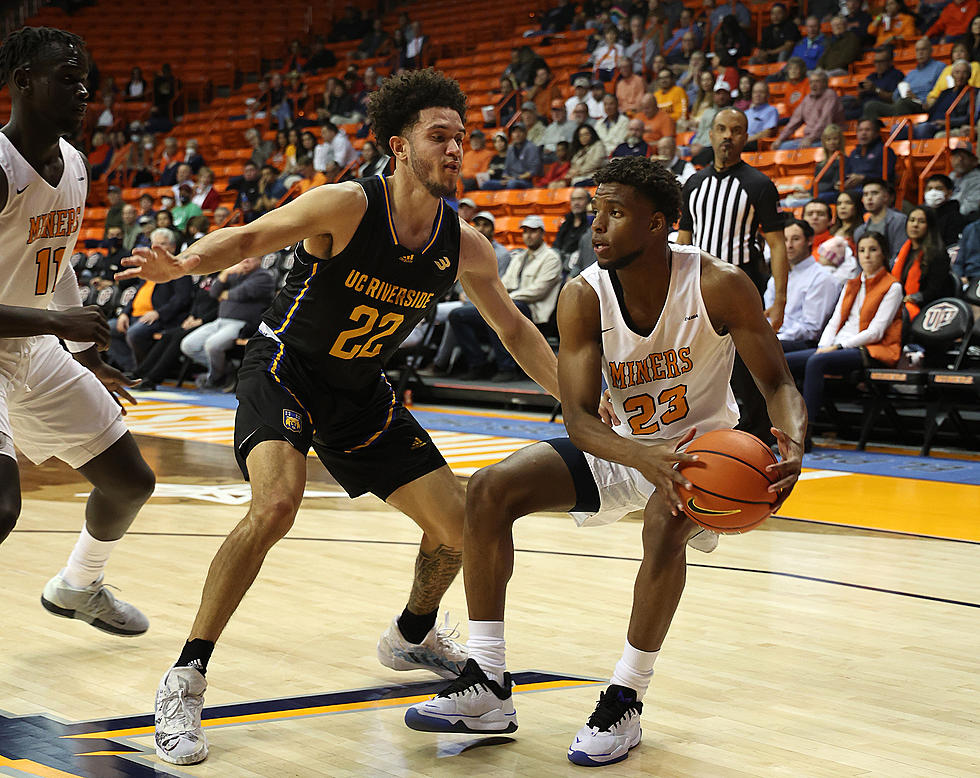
{"x": 367, "y": 440}
{"x": 52, "y": 406}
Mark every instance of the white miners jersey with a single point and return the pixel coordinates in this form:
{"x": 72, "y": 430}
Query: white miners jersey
{"x": 38, "y": 230}
{"x": 675, "y": 378}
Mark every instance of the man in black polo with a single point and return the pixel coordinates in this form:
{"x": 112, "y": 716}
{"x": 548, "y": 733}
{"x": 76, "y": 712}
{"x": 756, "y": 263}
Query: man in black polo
{"x": 725, "y": 206}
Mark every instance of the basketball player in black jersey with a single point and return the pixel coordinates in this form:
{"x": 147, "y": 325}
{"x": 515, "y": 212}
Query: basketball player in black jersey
{"x": 374, "y": 256}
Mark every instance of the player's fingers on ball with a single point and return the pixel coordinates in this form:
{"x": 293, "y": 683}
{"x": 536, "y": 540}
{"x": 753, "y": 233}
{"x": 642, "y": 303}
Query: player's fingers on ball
{"x": 679, "y": 478}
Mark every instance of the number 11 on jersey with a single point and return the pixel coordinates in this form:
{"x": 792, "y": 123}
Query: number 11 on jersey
{"x": 45, "y": 259}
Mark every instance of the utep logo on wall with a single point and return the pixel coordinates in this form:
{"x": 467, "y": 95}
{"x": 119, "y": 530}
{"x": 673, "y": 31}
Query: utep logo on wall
{"x": 291, "y": 420}
{"x": 938, "y": 316}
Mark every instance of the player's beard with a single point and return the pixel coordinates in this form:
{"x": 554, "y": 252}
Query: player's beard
{"x": 423, "y": 172}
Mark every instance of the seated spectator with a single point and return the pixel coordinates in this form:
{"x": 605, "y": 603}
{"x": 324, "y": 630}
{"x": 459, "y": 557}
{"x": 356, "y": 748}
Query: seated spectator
{"x": 817, "y": 110}
{"x": 197, "y": 227}
{"x": 416, "y": 47}
{"x": 341, "y": 150}
{"x": 967, "y": 266}
{"x": 186, "y": 207}
{"x": 523, "y": 65}
{"x": 307, "y": 144}
{"x": 725, "y": 9}
{"x": 247, "y": 185}
{"x": 275, "y": 102}
{"x": 675, "y": 49}
{"x": 761, "y": 116}
{"x": 308, "y": 177}
{"x": 110, "y": 262}
{"x": 867, "y": 159}
{"x": 559, "y": 130}
{"x": 667, "y": 153}
{"x": 811, "y": 291}
{"x": 553, "y": 174}
{"x": 135, "y": 89}
{"x": 880, "y": 84}
{"x": 577, "y": 222}
{"x": 671, "y": 99}
{"x": 476, "y": 160}
{"x": 778, "y": 37}
{"x": 268, "y": 192}
{"x": 340, "y": 105}
{"x": 115, "y": 205}
{"x": 350, "y": 26}
{"x": 559, "y": 18}
{"x": 877, "y": 197}
{"x": 893, "y": 26}
{"x": 130, "y": 227}
{"x": 850, "y": 216}
{"x": 168, "y": 161}
{"x": 811, "y": 47}
{"x": 183, "y": 175}
{"x": 531, "y": 120}
{"x": 373, "y": 162}
{"x": 164, "y": 90}
{"x": 704, "y": 102}
{"x": 843, "y": 48}
{"x": 688, "y": 78}
{"x": 642, "y": 45}
{"x": 147, "y": 223}
{"x": 533, "y": 280}
{"x": 922, "y": 265}
{"x": 580, "y": 115}
{"x": 205, "y": 195}
{"x": 865, "y": 323}
{"x": 857, "y": 19}
{"x": 153, "y": 308}
{"x": 966, "y": 180}
{"x": 630, "y": 87}
{"x": 543, "y": 92}
{"x": 192, "y": 156}
{"x": 105, "y": 120}
{"x": 606, "y": 55}
{"x": 594, "y": 102}
{"x": 701, "y": 151}
{"x": 588, "y": 155}
{"x": 101, "y": 154}
{"x": 277, "y": 156}
{"x": 522, "y": 162}
{"x": 731, "y": 41}
{"x": 818, "y": 215}
{"x": 373, "y": 41}
{"x": 938, "y": 196}
{"x": 797, "y": 83}
{"x": 633, "y": 145}
{"x": 656, "y": 123}
{"x": 579, "y": 95}
{"x": 243, "y": 292}
{"x": 298, "y": 95}
{"x": 919, "y": 81}
{"x": 954, "y": 21}
{"x": 493, "y": 176}
{"x": 221, "y": 214}
{"x": 959, "y": 116}
{"x": 972, "y": 40}
{"x": 613, "y": 126}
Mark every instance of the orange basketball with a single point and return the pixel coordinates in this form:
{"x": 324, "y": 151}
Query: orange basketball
{"x": 729, "y": 481}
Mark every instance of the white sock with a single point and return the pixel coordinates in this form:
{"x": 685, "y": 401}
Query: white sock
{"x": 87, "y": 560}
{"x": 486, "y": 645}
{"x": 635, "y": 669}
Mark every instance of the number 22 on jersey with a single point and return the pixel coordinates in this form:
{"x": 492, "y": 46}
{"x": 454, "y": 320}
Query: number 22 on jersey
{"x": 45, "y": 259}
{"x": 348, "y": 344}
{"x": 643, "y": 408}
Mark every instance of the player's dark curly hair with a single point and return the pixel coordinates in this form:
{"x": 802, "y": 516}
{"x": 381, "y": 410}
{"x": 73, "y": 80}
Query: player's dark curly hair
{"x": 650, "y": 178}
{"x": 24, "y": 46}
{"x": 395, "y": 106}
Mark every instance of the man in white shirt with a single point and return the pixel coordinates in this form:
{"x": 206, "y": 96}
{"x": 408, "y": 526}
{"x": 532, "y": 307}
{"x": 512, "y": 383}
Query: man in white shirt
{"x": 341, "y": 150}
{"x": 580, "y": 95}
{"x": 811, "y": 291}
{"x": 596, "y": 96}
{"x": 667, "y": 153}
{"x": 613, "y": 127}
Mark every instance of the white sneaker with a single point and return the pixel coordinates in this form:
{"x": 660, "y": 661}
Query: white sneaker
{"x": 438, "y": 652}
{"x": 179, "y": 737}
{"x": 94, "y": 604}
{"x": 612, "y": 730}
{"x": 704, "y": 540}
{"x": 471, "y": 703}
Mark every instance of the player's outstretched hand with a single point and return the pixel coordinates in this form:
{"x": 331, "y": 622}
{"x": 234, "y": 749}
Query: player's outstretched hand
{"x": 116, "y": 383}
{"x": 157, "y": 264}
{"x": 606, "y": 412}
{"x": 86, "y": 324}
{"x": 660, "y": 469}
{"x": 788, "y": 470}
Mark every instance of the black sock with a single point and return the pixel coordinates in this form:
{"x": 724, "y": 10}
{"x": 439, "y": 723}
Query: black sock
{"x": 414, "y": 627}
{"x": 196, "y": 654}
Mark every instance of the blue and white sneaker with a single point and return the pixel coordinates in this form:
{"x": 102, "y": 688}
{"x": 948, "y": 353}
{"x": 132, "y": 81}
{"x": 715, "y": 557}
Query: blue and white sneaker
{"x": 471, "y": 703}
{"x": 612, "y": 730}
{"x": 438, "y": 652}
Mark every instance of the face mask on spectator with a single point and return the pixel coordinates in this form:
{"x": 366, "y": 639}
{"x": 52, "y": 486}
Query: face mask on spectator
{"x": 934, "y": 197}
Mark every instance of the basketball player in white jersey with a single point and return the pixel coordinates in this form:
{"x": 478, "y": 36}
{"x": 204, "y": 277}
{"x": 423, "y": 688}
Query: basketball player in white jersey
{"x": 661, "y": 322}
{"x": 54, "y": 403}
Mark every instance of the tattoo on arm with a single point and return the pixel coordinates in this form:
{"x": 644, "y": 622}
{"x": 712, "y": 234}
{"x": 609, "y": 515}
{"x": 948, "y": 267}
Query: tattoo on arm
{"x": 434, "y": 572}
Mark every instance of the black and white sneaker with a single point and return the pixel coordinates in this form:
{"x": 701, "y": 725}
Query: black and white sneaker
{"x": 471, "y": 703}
{"x": 612, "y": 730}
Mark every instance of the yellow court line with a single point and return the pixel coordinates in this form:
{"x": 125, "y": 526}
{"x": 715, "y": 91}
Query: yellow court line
{"x": 28, "y": 767}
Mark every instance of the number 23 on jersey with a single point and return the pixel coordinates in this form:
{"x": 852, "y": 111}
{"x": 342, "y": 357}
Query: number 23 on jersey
{"x": 670, "y": 403}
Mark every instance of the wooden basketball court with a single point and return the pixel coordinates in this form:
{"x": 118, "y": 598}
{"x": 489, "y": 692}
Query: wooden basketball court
{"x": 826, "y": 643}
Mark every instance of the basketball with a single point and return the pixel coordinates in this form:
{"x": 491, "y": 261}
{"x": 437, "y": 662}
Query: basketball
{"x": 729, "y": 482}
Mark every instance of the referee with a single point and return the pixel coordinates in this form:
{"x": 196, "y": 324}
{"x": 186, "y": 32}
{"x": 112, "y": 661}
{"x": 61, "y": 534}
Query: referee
{"x": 725, "y": 206}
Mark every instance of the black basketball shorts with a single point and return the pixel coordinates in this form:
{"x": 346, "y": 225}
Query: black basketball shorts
{"x": 367, "y": 440}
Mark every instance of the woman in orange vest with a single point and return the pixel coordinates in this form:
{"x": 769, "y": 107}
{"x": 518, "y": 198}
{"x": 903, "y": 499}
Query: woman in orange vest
{"x": 867, "y": 323}
{"x": 922, "y": 264}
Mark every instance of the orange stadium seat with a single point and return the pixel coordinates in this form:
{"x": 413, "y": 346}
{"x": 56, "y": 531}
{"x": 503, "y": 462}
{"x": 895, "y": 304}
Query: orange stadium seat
{"x": 793, "y": 162}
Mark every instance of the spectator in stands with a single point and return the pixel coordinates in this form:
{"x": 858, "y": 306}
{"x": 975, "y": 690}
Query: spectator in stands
{"x": 811, "y": 291}
{"x": 522, "y": 162}
{"x": 744, "y": 99}
{"x": 729, "y": 8}
{"x": 762, "y": 117}
{"x": 880, "y": 84}
{"x": 959, "y": 116}
{"x": 145, "y": 205}
{"x": 372, "y": 42}
{"x": 553, "y": 174}
{"x": 894, "y": 25}
{"x": 778, "y": 37}
{"x": 843, "y": 47}
{"x": 671, "y": 99}
{"x": 606, "y": 55}
{"x": 260, "y": 149}
{"x": 580, "y": 115}
{"x": 579, "y": 95}
{"x": 221, "y": 215}
{"x": 268, "y": 191}
{"x": 667, "y": 153}
{"x": 100, "y": 155}
{"x": 866, "y": 160}
{"x": 588, "y": 155}
{"x": 594, "y": 102}
{"x": 184, "y": 175}
{"x": 466, "y": 208}
{"x": 152, "y": 309}
{"x": 494, "y": 173}
{"x": 938, "y": 196}
{"x": 675, "y": 42}
{"x": 109, "y": 263}
{"x": 524, "y": 63}
{"x": 186, "y": 207}
{"x": 701, "y": 151}
{"x": 130, "y": 227}
{"x": 966, "y": 180}
{"x": 135, "y": 89}
{"x": 817, "y": 110}
{"x": 866, "y": 321}
{"x": 247, "y": 185}
{"x": 533, "y": 280}
{"x": 373, "y": 162}
{"x": 530, "y": 119}
{"x": 922, "y": 265}
{"x": 731, "y": 41}
{"x": 850, "y": 216}
{"x": 307, "y": 144}
{"x": 115, "y": 204}
{"x": 341, "y": 149}
{"x": 476, "y": 160}
{"x": 688, "y": 79}
{"x": 105, "y": 118}
{"x": 612, "y": 128}
{"x": 320, "y": 57}
{"x": 633, "y": 145}
{"x": 954, "y": 21}
{"x": 797, "y": 84}
{"x": 164, "y": 90}
{"x": 577, "y": 222}
{"x": 817, "y": 214}
{"x": 558, "y": 130}
{"x": 967, "y": 266}
{"x": 702, "y": 102}
{"x": 197, "y": 227}
{"x": 340, "y": 104}
{"x": 308, "y": 177}
{"x": 642, "y": 45}
{"x": 877, "y": 197}
{"x": 972, "y": 40}
{"x": 559, "y": 18}
{"x": 416, "y": 47}
{"x": 147, "y": 223}
{"x": 350, "y": 26}
{"x": 630, "y": 87}
{"x": 918, "y": 83}
{"x": 168, "y": 161}
{"x": 810, "y": 48}
{"x": 656, "y": 123}
{"x": 192, "y": 155}
{"x": 165, "y": 220}
{"x": 945, "y": 80}
{"x": 243, "y": 292}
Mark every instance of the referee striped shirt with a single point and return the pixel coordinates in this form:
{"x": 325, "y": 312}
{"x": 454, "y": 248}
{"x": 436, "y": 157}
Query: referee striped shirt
{"x": 724, "y": 209}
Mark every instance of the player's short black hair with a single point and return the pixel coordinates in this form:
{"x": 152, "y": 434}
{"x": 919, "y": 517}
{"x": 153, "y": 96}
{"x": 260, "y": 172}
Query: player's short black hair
{"x": 395, "y": 106}
{"x": 26, "y": 45}
{"x": 650, "y": 178}
{"x": 807, "y": 229}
